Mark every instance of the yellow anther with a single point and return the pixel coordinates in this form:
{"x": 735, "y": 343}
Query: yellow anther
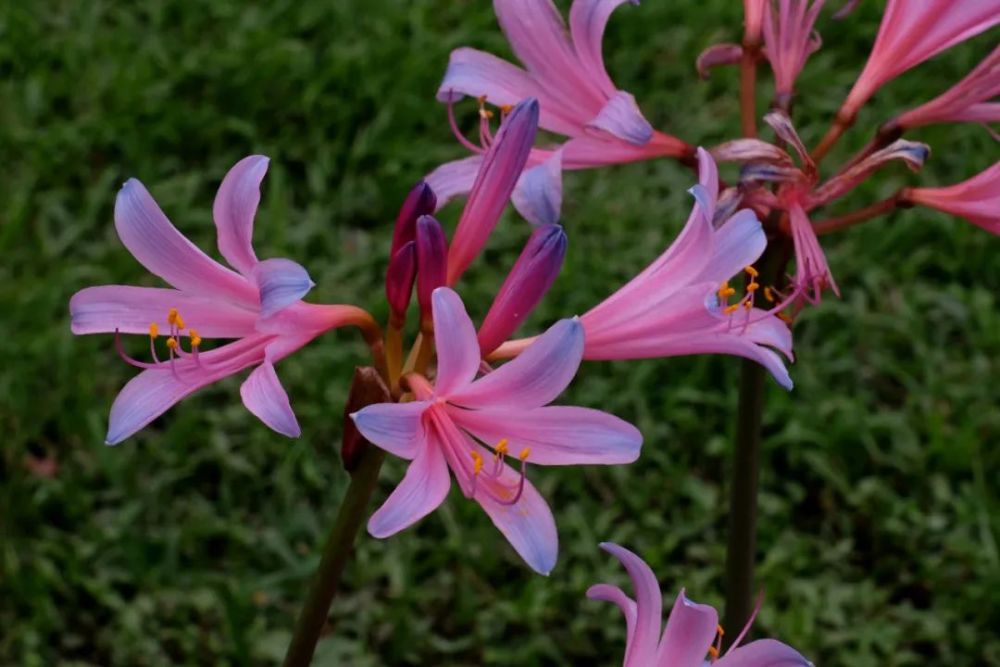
{"x": 172, "y": 316}
{"x": 748, "y": 304}
{"x": 726, "y": 292}
{"x": 477, "y": 463}
{"x": 154, "y": 330}
{"x": 172, "y": 343}
{"x": 501, "y": 446}
{"x": 753, "y": 286}
{"x": 195, "y": 338}
{"x": 714, "y": 652}
{"x": 769, "y": 294}
{"x": 729, "y": 310}
{"x": 525, "y": 453}
{"x": 506, "y": 108}
{"x": 785, "y": 317}
{"x": 722, "y": 633}
{"x": 752, "y": 272}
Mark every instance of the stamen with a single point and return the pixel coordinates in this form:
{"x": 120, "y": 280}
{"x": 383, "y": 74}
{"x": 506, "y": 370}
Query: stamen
{"x": 525, "y": 453}
{"x": 154, "y": 330}
{"x": 752, "y": 272}
{"x": 172, "y": 316}
{"x": 458, "y": 133}
{"x": 725, "y": 291}
{"x": 753, "y": 286}
{"x": 713, "y": 653}
{"x": 172, "y": 343}
{"x": 477, "y": 462}
{"x": 195, "y": 338}
{"x": 729, "y": 310}
{"x": 769, "y": 294}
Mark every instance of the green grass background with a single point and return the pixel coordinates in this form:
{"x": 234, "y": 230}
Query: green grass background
{"x": 192, "y": 543}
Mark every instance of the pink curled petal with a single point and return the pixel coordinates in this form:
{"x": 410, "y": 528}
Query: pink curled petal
{"x": 477, "y": 73}
{"x": 128, "y": 309}
{"x": 749, "y": 150}
{"x": 281, "y": 282}
{"x": 718, "y": 55}
{"x": 266, "y": 399}
{"x": 780, "y": 122}
{"x": 738, "y": 243}
{"x": 165, "y": 252}
{"x": 690, "y": 629}
{"x": 538, "y": 193}
{"x": 234, "y": 210}
{"x": 423, "y": 489}
{"x": 527, "y": 524}
{"x": 649, "y": 605}
{"x": 621, "y": 118}
{"x": 912, "y": 153}
{"x": 587, "y": 21}
{"x": 500, "y": 170}
{"x": 454, "y": 179}
{"x": 395, "y": 427}
{"x": 456, "y": 343}
{"x": 617, "y": 596}
{"x": 556, "y": 435}
{"x": 535, "y": 377}
{"x": 763, "y": 653}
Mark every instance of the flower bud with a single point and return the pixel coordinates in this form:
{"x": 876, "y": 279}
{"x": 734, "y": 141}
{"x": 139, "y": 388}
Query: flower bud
{"x": 420, "y": 201}
{"x": 528, "y": 281}
{"x": 399, "y": 279}
{"x": 432, "y": 262}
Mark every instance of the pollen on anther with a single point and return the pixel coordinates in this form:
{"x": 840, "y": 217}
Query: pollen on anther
{"x": 729, "y": 310}
{"x": 477, "y": 463}
{"x": 718, "y": 628}
{"x": 172, "y": 316}
{"x": 172, "y": 343}
{"x": 714, "y": 652}
{"x": 752, "y": 272}
{"x": 753, "y": 286}
{"x": 525, "y": 453}
{"x": 725, "y": 291}
{"x": 501, "y": 447}
{"x": 195, "y": 338}
{"x": 769, "y": 294}
{"x": 154, "y": 330}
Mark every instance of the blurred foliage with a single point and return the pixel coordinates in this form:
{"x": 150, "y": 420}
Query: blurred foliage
{"x": 192, "y": 543}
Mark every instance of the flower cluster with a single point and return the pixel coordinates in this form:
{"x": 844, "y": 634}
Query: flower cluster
{"x": 473, "y": 402}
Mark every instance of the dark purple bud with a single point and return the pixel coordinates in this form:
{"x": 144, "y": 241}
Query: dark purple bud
{"x": 528, "y": 281}
{"x": 432, "y": 262}
{"x": 420, "y": 201}
{"x": 399, "y": 279}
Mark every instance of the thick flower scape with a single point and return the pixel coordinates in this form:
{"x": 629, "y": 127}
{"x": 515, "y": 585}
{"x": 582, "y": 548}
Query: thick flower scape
{"x": 474, "y": 403}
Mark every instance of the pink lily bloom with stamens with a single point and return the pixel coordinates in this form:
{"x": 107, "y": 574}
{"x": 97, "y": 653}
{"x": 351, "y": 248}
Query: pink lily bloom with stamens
{"x": 969, "y": 100}
{"x": 258, "y": 304}
{"x": 472, "y": 426}
{"x": 692, "y": 636}
{"x": 789, "y": 39}
{"x": 681, "y": 303}
{"x": 912, "y": 32}
{"x": 976, "y": 199}
{"x": 564, "y": 69}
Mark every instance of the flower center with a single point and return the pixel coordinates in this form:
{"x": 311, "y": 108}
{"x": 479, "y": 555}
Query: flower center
{"x": 174, "y": 348}
{"x": 491, "y": 485}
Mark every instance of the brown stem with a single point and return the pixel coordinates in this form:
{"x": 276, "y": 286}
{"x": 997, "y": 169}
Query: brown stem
{"x": 840, "y": 125}
{"x": 748, "y": 89}
{"x": 855, "y": 217}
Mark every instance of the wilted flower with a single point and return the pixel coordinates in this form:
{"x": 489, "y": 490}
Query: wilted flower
{"x": 789, "y": 39}
{"x": 969, "y": 100}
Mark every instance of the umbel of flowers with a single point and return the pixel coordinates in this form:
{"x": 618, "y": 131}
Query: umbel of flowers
{"x": 476, "y": 403}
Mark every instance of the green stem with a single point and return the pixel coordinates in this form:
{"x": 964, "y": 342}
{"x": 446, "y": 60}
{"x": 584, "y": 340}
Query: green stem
{"x": 335, "y": 554}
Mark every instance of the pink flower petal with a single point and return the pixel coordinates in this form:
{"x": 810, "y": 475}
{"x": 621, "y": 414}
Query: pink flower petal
{"x": 455, "y": 341}
{"x": 165, "y": 252}
{"x": 621, "y": 118}
{"x": 282, "y": 282}
{"x": 538, "y": 193}
{"x": 234, "y": 210}
{"x": 423, "y": 489}
{"x": 395, "y": 427}
{"x": 617, "y": 596}
{"x": 763, "y": 653}
{"x": 556, "y": 435}
{"x": 500, "y": 170}
{"x": 131, "y": 310}
{"x": 738, "y": 243}
{"x": 976, "y": 199}
{"x": 265, "y": 398}
{"x": 587, "y": 21}
{"x": 690, "y": 630}
{"x": 454, "y": 179}
{"x": 535, "y": 377}
{"x": 527, "y": 524}
{"x": 649, "y": 606}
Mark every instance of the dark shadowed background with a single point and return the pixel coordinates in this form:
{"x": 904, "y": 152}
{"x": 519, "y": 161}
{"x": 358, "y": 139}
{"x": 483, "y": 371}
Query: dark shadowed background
{"x": 192, "y": 542}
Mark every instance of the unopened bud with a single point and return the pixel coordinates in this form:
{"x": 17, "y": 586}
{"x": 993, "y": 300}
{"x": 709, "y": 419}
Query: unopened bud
{"x": 528, "y": 281}
{"x": 432, "y": 262}
{"x": 420, "y": 201}
{"x": 399, "y": 279}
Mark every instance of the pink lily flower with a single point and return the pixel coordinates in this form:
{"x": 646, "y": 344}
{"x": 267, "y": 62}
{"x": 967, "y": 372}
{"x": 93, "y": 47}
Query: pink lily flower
{"x": 689, "y": 638}
{"x": 910, "y": 33}
{"x": 258, "y": 304}
{"x": 564, "y": 70}
{"x": 472, "y": 425}
{"x": 680, "y": 305}
{"x": 976, "y": 199}
{"x": 789, "y": 39}
{"x": 966, "y": 101}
